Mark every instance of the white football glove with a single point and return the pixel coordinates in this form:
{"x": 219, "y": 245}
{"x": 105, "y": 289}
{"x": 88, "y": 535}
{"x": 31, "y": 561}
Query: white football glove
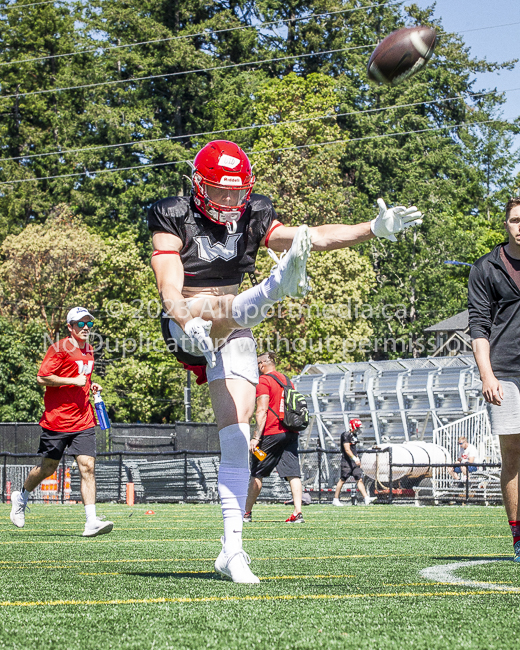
{"x": 198, "y": 331}
{"x": 391, "y": 221}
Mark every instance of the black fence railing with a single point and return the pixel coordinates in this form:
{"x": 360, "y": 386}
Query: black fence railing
{"x": 191, "y": 475}
{"x": 24, "y": 437}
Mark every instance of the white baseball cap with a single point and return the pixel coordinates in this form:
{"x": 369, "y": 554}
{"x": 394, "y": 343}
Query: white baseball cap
{"x": 78, "y": 313}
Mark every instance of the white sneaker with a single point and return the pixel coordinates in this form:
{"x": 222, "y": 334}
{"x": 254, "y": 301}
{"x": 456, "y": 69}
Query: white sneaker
{"x": 290, "y": 273}
{"x": 337, "y": 502}
{"x": 236, "y": 567}
{"x": 100, "y": 527}
{"x": 198, "y": 329}
{"x": 369, "y": 500}
{"x": 18, "y": 509}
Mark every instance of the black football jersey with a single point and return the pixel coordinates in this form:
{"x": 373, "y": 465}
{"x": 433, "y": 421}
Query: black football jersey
{"x": 210, "y": 254}
{"x": 353, "y": 440}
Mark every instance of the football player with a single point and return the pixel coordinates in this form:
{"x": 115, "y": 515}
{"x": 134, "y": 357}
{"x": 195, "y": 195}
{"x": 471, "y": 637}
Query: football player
{"x": 350, "y": 462}
{"x": 204, "y": 244}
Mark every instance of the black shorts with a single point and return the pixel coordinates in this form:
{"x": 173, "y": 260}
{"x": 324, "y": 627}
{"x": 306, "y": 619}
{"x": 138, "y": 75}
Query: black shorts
{"x": 80, "y": 443}
{"x": 282, "y": 451}
{"x": 470, "y": 468}
{"x": 348, "y": 470}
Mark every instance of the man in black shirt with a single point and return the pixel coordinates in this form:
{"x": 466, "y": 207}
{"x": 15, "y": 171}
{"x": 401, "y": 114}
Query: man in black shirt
{"x": 494, "y": 320}
{"x": 350, "y": 463}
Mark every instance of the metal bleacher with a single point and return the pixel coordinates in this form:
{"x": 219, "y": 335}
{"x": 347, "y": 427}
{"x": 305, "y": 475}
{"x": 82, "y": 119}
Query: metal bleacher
{"x": 398, "y": 400}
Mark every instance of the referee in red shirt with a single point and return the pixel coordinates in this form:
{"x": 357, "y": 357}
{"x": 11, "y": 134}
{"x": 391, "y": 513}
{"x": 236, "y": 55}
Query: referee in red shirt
{"x": 68, "y": 419}
{"x": 279, "y": 444}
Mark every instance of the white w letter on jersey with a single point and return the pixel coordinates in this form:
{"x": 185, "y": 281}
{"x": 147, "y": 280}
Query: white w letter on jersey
{"x": 85, "y": 368}
{"x": 209, "y": 252}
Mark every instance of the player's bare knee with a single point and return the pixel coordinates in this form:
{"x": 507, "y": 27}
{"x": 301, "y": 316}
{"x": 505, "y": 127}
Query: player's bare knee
{"x": 86, "y": 465}
{"x": 510, "y": 451}
{"x": 47, "y": 467}
{"x": 45, "y": 472}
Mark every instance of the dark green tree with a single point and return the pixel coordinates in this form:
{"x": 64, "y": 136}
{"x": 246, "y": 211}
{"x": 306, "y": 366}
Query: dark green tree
{"x": 34, "y": 38}
{"x": 21, "y": 352}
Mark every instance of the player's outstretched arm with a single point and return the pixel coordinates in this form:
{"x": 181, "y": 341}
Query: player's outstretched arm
{"x": 328, "y": 237}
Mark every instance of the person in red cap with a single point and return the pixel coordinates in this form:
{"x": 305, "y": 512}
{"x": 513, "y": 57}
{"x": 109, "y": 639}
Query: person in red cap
{"x": 68, "y": 419}
{"x": 350, "y": 463}
{"x": 204, "y": 245}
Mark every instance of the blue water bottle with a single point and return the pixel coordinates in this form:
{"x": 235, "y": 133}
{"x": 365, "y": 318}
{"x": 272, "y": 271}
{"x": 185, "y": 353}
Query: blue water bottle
{"x": 101, "y": 411}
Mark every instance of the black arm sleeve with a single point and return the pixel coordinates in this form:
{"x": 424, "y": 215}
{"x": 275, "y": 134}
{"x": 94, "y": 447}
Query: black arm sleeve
{"x": 479, "y": 305}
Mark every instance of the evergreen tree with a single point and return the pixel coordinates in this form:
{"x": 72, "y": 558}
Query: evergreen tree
{"x": 43, "y": 122}
{"x": 21, "y": 352}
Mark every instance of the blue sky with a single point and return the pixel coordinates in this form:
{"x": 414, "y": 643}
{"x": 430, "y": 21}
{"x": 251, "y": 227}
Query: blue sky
{"x": 498, "y": 44}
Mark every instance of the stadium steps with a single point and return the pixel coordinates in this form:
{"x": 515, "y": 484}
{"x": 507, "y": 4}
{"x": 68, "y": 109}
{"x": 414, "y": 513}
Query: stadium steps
{"x": 397, "y": 400}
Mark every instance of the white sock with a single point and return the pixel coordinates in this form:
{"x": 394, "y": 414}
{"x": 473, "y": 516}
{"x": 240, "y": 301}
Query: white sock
{"x": 251, "y": 307}
{"x": 25, "y": 495}
{"x": 90, "y": 514}
{"x": 232, "y": 488}
{"x": 233, "y": 481}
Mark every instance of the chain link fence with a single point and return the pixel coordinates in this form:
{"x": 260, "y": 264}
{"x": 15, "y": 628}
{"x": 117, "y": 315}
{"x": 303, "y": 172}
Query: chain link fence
{"x": 191, "y": 476}
{"x": 24, "y": 437}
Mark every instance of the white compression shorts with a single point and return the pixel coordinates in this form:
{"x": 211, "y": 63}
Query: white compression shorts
{"x": 236, "y": 358}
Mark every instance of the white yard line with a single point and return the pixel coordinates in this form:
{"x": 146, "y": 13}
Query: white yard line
{"x": 446, "y": 573}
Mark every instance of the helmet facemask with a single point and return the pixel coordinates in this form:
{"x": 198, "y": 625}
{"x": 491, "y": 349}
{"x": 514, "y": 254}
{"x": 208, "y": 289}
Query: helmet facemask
{"x": 222, "y": 183}
{"x": 223, "y": 203}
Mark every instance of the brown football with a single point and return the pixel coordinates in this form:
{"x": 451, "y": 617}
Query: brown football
{"x": 401, "y": 55}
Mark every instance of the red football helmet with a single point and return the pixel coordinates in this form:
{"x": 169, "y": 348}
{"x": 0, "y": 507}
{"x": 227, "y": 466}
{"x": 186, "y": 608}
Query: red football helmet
{"x": 222, "y": 182}
{"x": 355, "y": 424}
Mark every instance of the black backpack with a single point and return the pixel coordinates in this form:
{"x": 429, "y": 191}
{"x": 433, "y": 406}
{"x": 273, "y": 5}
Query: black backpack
{"x": 296, "y": 412}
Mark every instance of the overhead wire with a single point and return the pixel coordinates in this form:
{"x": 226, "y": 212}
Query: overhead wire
{"x": 207, "y": 32}
{"x": 184, "y": 72}
{"x": 480, "y": 29}
{"x": 140, "y": 142}
{"x": 64, "y": 152}
{"x": 371, "y": 137}
{"x": 94, "y": 173}
{"x": 199, "y": 70}
{"x": 219, "y": 31}
{"x": 32, "y": 4}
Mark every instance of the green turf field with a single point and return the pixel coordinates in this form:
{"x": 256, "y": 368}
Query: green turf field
{"x": 348, "y": 578}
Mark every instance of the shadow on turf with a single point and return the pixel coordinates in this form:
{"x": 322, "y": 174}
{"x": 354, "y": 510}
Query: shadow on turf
{"x": 72, "y": 534}
{"x": 180, "y": 574}
{"x": 455, "y": 558}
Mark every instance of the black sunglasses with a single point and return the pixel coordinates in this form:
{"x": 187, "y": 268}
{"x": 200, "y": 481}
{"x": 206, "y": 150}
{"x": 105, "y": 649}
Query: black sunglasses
{"x": 81, "y": 323}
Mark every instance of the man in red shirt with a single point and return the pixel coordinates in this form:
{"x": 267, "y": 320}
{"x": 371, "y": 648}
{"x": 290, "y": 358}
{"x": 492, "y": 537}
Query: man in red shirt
{"x": 68, "y": 419}
{"x": 278, "y": 443}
